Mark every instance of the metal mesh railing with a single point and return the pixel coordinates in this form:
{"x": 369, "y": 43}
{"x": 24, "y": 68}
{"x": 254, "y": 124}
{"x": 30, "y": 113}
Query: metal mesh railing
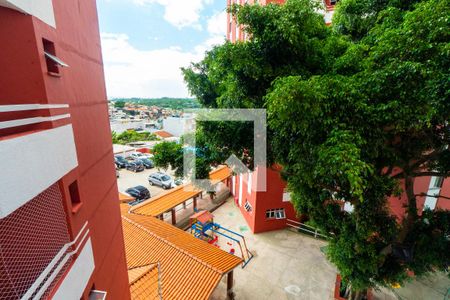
{"x": 30, "y": 238}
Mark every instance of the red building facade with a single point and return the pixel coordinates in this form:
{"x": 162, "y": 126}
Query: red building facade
{"x": 60, "y": 225}
{"x": 263, "y": 210}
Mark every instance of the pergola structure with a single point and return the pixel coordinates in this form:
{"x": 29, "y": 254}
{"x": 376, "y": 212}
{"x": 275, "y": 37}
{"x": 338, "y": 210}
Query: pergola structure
{"x": 167, "y": 202}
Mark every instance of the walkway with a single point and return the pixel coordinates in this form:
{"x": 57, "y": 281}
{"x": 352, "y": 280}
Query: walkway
{"x": 286, "y": 264}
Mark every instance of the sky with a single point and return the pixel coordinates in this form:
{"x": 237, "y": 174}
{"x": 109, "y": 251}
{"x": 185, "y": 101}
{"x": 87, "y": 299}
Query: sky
{"x": 146, "y": 42}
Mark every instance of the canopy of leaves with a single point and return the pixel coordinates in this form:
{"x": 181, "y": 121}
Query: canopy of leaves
{"x": 119, "y": 104}
{"x": 130, "y": 136}
{"x": 164, "y": 102}
{"x": 170, "y": 154}
{"x": 356, "y": 112}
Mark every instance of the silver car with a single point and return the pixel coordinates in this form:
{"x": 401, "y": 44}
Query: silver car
{"x": 161, "y": 179}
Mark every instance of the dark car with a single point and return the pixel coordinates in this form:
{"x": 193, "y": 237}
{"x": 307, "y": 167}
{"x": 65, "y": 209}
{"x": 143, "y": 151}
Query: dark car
{"x": 135, "y": 166}
{"x": 120, "y": 161}
{"x": 148, "y": 163}
{"x": 139, "y": 192}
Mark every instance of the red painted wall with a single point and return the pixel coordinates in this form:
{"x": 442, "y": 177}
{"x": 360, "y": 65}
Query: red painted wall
{"x": 421, "y": 185}
{"x": 24, "y": 80}
{"x": 272, "y": 198}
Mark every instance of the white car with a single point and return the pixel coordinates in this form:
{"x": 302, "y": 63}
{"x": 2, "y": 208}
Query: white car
{"x": 162, "y": 180}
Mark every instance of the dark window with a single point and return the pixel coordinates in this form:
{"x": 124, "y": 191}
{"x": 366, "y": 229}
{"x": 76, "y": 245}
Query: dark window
{"x": 52, "y": 61}
{"x": 49, "y": 49}
{"x": 74, "y": 196}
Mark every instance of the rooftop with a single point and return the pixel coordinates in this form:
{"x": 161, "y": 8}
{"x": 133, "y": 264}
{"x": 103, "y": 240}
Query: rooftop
{"x": 163, "y": 134}
{"x": 189, "y": 267}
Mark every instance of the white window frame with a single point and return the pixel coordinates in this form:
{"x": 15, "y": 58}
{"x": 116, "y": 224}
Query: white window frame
{"x": 56, "y": 60}
{"x": 277, "y": 214}
{"x": 434, "y": 190}
{"x": 249, "y": 183}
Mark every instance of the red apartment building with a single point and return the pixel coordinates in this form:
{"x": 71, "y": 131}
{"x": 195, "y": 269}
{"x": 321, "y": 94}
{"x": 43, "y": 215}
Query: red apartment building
{"x": 60, "y": 226}
{"x": 271, "y": 210}
{"x": 235, "y": 33}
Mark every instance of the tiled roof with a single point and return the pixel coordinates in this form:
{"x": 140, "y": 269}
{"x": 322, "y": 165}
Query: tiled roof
{"x": 202, "y": 216}
{"x": 190, "y": 268}
{"x": 125, "y": 198}
{"x": 166, "y": 201}
{"x": 144, "y": 282}
{"x": 163, "y": 134}
{"x": 219, "y": 174}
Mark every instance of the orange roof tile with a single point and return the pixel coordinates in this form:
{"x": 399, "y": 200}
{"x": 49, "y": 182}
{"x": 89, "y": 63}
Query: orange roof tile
{"x": 190, "y": 268}
{"x": 166, "y": 201}
{"x": 125, "y": 198}
{"x": 163, "y": 134}
{"x": 219, "y": 174}
{"x": 202, "y": 216}
{"x": 144, "y": 282}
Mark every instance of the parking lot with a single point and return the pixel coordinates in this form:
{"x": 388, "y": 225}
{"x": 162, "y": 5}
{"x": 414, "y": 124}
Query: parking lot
{"x": 129, "y": 179}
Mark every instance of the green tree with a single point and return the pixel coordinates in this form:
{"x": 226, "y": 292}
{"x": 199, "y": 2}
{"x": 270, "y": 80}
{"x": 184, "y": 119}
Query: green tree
{"x": 130, "y": 136}
{"x": 119, "y": 104}
{"x": 354, "y": 119}
{"x": 170, "y": 154}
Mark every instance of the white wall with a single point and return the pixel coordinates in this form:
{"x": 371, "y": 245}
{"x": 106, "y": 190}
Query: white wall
{"x": 31, "y": 163}
{"x": 41, "y": 9}
{"x": 78, "y": 277}
{"x": 178, "y": 126}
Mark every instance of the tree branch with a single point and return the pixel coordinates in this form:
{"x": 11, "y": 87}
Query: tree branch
{"x": 434, "y": 196}
{"x": 430, "y": 173}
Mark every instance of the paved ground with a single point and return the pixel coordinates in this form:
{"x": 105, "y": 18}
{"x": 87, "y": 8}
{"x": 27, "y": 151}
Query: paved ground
{"x": 286, "y": 264}
{"x": 129, "y": 179}
{"x": 432, "y": 287}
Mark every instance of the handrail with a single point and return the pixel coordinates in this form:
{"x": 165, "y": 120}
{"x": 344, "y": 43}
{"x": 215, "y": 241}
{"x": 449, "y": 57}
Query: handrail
{"x": 301, "y": 226}
{"x": 58, "y": 258}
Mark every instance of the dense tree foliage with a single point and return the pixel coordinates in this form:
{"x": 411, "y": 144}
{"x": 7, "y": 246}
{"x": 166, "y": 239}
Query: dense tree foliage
{"x": 119, "y": 104}
{"x": 356, "y": 111}
{"x": 170, "y": 154}
{"x": 130, "y": 136}
{"x": 164, "y": 102}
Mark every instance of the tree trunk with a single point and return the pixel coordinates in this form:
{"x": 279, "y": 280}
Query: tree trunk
{"x": 411, "y": 213}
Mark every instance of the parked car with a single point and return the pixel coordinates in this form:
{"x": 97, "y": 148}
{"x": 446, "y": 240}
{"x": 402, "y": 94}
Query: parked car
{"x": 139, "y": 192}
{"x": 120, "y": 161}
{"x": 138, "y": 155}
{"x": 135, "y": 166}
{"x": 161, "y": 179}
{"x": 178, "y": 181}
{"x": 148, "y": 163}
